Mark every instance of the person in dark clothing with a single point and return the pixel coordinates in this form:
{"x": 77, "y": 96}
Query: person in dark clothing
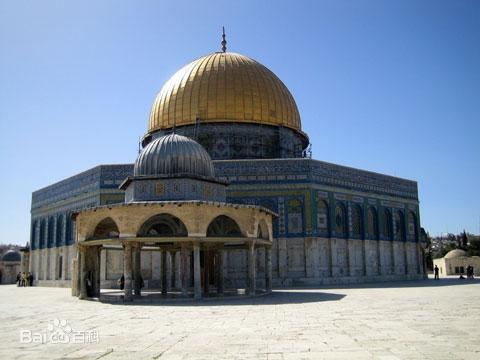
{"x": 19, "y": 279}
{"x": 121, "y": 282}
{"x": 30, "y": 279}
{"x": 435, "y": 271}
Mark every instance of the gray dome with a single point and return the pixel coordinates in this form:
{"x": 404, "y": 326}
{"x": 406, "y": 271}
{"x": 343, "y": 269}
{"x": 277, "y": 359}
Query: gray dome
{"x": 11, "y": 255}
{"x": 174, "y": 155}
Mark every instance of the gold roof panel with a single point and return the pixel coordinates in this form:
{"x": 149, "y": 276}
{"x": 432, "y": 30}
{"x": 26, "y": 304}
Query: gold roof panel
{"x": 224, "y": 87}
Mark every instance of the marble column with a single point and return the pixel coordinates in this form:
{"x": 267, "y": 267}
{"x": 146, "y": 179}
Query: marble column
{"x": 137, "y": 269}
{"x": 169, "y": 273}
{"x": 251, "y": 267}
{"x": 184, "y": 269}
{"x": 206, "y": 270}
{"x": 220, "y": 277}
{"x": 98, "y": 262}
{"x": 196, "y": 271}
{"x": 127, "y": 271}
{"x": 82, "y": 272}
{"x": 164, "y": 272}
{"x": 268, "y": 268}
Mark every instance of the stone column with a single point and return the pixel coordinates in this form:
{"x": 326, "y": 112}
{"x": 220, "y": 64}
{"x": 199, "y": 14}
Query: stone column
{"x": 127, "y": 271}
{"x": 206, "y": 270}
{"x": 103, "y": 264}
{"x": 251, "y": 268}
{"x": 137, "y": 269}
{"x": 83, "y": 273}
{"x": 65, "y": 262}
{"x": 164, "y": 271}
{"x": 268, "y": 268}
{"x": 178, "y": 265}
{"x": 220, "y": 278}
{"x": 184, "y": 269}
{"x": 196, "y": 271}
{"x": 98, "y": 270}
{"x": 169, "y": 272}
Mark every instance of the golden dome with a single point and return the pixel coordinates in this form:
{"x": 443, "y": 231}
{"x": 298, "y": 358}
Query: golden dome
{"x": 221, "y": 87}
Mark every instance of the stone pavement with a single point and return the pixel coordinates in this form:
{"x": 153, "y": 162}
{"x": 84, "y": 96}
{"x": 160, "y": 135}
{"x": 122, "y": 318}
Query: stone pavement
{"x": 403, "y": 320}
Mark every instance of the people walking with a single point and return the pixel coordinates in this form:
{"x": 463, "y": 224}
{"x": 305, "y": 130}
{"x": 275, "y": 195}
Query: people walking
{"x": 435, "y": 271}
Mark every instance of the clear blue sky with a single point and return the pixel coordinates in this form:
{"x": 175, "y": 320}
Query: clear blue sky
{"x": 392, "y": 87}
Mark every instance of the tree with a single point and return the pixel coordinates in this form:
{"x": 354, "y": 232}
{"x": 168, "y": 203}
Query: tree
{"x": 464, "y": 240}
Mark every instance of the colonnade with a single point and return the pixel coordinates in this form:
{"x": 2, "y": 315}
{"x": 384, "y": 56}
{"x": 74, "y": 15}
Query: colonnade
{"x": 89, "y": 268}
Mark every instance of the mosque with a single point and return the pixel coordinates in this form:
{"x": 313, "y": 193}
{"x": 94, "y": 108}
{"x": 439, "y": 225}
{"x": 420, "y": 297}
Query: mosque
{"x": 224, "y": 196}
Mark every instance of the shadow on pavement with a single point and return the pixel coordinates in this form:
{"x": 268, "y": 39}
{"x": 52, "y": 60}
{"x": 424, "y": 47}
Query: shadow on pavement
{"x": 397, "y": 284}
{"x": 277, "y": 297}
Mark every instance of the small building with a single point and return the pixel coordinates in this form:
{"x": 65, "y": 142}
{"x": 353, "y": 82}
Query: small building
{"x": 174, "y": 207}
{"x": 455, "y": 262}
{"x": 10, "y": 266}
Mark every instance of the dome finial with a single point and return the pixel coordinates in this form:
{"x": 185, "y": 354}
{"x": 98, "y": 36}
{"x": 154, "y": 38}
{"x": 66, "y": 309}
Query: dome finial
{"x": 224, "y": 42}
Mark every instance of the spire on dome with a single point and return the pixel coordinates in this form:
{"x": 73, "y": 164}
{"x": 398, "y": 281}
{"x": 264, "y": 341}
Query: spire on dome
{"x": 224, "y": 42}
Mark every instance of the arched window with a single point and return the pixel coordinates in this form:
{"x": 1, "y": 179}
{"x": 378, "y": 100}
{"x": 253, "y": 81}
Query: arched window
{"x": 372, "y": 223}
{"x": 163, "y": 225}
{"x": 33, "y": 235}
{"x": 106, "y": 229}
{"x": 42, "y": 238}
{"x": 340, "y": 220}
{"x": 357, "y": 222}
{"x": 262, "y": 232}
{"x": 51, "y": 235}
{"x": 69, "y": 229}
{"x": 387, "y": 225}
{"x": 322, "y": 216}
{"x": 399, "y": 225}
{"x": 58, "y": 237}
{"x": 412, "y": 226}
{"x": 223, "y": 226}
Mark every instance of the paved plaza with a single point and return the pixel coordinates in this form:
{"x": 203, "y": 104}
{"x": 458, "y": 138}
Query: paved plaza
{"x": 404, "y": 320}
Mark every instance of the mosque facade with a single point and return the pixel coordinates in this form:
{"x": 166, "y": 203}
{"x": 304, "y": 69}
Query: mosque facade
{"x": 326, "y": 223}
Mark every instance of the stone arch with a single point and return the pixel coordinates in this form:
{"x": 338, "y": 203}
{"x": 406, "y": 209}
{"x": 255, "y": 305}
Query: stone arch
{"x": 340, "y": 220}
{"x": 357, "y": 222}
{"x": 223, "y": 226}
{"x": 163, "y": 225}
{"x": 262, "y": 230}
{"x": 412, "y": 226}
{"x": 400, "y": 225}
{"x": 387, "y": 225}
{"x": 58, "y": 235}
{"x": 372, "y": 223}
{"x": 323, "y": 222}
{"x": 106, "y": 229}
